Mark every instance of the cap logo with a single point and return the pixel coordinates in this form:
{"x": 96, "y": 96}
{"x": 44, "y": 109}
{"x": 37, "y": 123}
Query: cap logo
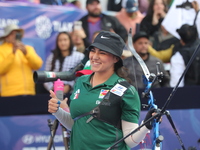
{"x": 103, "y": 37}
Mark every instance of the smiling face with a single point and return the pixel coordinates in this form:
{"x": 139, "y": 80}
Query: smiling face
{"x": 158, "y": 6}
{"x": 63, "y": 42}
{"x": 101, "y": 61}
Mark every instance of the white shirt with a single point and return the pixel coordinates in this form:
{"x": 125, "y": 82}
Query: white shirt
{"x": 176, "y": 69}
{"x": 176, "y": 17}
{"x": 70, "y": 62}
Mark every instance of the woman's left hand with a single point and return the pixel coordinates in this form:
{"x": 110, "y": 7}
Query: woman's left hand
{"x": 151, "y": 113}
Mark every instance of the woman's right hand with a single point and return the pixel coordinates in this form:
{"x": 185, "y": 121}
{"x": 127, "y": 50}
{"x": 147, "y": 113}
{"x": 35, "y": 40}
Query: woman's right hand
{"x": 53, "y": 103}
{"x": 157, "y": 15}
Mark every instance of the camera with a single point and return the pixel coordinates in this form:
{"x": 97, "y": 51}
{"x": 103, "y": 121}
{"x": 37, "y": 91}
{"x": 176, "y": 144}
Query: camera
{"x": 18, "y": 36}
{"x": 77, "y": 25}
{"x": 187, "y": 5}
{"x": 48, "y": 76}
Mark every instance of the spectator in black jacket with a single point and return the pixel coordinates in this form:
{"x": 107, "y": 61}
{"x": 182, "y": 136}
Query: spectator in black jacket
{"x": 154, "y": 17}
{"x": 95, "y": 20}
{"x": 182, "y": 53}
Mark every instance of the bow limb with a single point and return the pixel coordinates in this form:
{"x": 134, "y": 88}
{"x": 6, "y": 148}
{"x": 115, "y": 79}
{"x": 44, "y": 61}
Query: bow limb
{"x": 151, "y": 99}
{"x": 135, "y": 54}
{"x": 146, "y": 72}
{"x": 147, "y": 82}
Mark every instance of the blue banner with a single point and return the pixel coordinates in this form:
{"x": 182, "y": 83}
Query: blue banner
{"x": 28, "y": 133}
{"x": 31, "y": 132}
{"x": 40, "y": 22}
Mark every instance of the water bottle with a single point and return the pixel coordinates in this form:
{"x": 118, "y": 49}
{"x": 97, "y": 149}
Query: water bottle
{"x": 59, "y": 89}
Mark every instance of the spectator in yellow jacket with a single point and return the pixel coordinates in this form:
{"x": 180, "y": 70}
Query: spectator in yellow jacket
{"x": 18, "y": 61}
{"x": 163, "y": 55}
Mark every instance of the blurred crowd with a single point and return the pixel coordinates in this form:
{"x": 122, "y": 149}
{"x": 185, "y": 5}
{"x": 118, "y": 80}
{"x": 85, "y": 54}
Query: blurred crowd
{"x": 151, "y": 40}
